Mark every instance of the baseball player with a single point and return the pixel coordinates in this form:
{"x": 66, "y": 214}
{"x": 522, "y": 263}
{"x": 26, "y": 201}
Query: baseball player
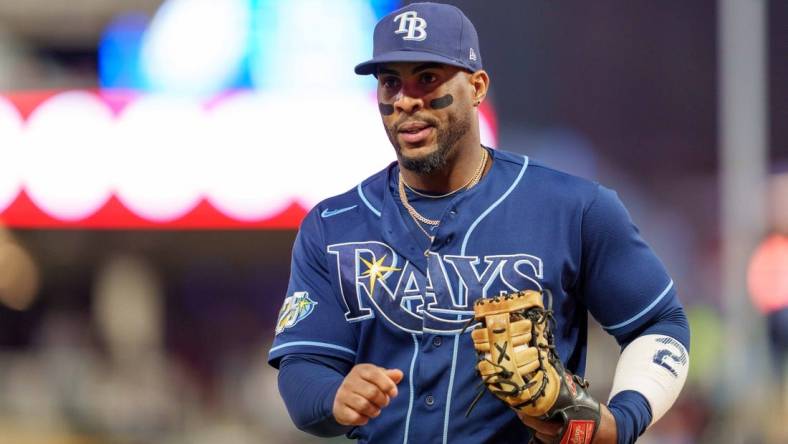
{"x": 374, "y": 336}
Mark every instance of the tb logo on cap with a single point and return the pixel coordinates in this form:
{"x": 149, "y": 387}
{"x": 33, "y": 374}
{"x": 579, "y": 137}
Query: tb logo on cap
{"x": 413, "y": 25}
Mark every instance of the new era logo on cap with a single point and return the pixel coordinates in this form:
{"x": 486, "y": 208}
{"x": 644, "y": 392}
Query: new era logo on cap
{"x": 425, "y": 32}
{"x": 413, "y": 25}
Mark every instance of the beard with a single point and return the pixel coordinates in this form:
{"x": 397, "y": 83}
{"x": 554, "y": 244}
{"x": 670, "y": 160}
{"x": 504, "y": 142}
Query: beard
{"x": 439, "y": 158}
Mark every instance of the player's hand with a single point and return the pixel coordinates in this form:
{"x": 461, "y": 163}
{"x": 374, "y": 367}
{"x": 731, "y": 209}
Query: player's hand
{"x": 547, "y": 431}
{"x": 366, "y": 390}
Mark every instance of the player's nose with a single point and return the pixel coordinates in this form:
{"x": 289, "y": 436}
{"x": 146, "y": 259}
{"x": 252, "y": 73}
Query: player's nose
{"x": 408, "y": 104}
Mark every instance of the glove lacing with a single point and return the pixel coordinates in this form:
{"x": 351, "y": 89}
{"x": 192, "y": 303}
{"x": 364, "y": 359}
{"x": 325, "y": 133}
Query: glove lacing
{"x": 537, "y": 316}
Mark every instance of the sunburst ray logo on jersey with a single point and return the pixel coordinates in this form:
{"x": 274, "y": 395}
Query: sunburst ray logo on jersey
{"x": 376, "y": 270}
{"x": 295, "y": 309}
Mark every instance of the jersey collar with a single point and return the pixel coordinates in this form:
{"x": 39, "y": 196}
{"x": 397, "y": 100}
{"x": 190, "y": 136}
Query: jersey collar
{"x": 470, "y": 208}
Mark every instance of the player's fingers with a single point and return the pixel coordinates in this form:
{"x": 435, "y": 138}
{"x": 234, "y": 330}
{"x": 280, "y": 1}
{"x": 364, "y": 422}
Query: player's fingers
{"x": 344, "y": 411}
{"x": 350, "y": 408}
{"x": 345, "y": 415}
{"x": 379, "y": 377}
{"x": 362, "y": 405}
{"x": 368, "y": 372}
{"x": 373, "y": 394}
{"x": 395, "y": 374}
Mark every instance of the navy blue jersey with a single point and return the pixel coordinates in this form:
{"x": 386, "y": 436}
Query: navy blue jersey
{"x": 363, "y": 289}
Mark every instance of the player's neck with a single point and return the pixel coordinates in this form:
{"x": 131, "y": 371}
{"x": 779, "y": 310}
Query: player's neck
{"x": 459, "y": 169}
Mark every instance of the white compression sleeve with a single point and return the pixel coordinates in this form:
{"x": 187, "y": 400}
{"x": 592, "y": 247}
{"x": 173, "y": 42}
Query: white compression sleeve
{"x": 655, "y": 366}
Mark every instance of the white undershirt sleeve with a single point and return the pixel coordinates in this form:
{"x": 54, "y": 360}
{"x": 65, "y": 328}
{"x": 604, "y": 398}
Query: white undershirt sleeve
{"x": 655, "y": 366}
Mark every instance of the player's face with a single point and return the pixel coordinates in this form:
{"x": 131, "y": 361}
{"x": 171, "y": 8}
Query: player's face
{"x": 426, "y": 109}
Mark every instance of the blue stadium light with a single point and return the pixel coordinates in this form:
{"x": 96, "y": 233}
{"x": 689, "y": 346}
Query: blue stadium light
{"x": 203, "y": 47}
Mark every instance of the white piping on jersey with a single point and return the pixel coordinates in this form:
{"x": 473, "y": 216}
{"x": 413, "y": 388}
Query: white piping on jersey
{"x": 451, "y": 385}
{"x": 366, "y": 202}
{"x": 410, "y": 384}
{"x": 642, "y": 312}
{"x": 462, "y": 252}
{"x": 492, "y": 207}
{"x": 451, "y": 311}
{"x": 313, "y": 344}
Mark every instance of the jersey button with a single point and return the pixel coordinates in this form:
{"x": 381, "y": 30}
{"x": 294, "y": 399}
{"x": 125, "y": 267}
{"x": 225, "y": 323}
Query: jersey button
{"x": 453, "y": 213}
{"x": 437, "y": 341}
{"x": 429, "y": 400}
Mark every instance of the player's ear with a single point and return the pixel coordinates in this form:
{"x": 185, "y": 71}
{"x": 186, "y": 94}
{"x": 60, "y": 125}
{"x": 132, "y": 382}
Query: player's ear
{"x": 480, "y": 82}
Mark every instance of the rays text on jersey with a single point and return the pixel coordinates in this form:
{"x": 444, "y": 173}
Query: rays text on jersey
{"x": 375, "y": 281}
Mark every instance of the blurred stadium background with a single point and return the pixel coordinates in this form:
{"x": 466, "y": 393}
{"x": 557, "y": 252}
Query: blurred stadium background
{"x": 156, "y": 158}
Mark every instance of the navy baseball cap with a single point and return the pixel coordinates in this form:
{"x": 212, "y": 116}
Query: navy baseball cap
{"x": 425, "y": 32}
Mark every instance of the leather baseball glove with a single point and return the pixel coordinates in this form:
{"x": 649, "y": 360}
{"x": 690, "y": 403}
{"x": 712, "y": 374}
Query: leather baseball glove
{"x": 518, "y": 363}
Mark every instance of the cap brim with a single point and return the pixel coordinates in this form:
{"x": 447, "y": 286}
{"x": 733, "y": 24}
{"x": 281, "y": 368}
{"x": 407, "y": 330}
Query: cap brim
{"x": 370, "y": 66}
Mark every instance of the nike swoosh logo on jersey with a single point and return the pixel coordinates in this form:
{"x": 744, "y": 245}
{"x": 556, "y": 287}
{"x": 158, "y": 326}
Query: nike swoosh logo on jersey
{"x": 329, "y": 213}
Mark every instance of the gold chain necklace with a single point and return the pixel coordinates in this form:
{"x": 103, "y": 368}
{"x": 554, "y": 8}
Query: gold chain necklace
{"x": 418, "y": 217}
{"x": 437, "y": 196}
